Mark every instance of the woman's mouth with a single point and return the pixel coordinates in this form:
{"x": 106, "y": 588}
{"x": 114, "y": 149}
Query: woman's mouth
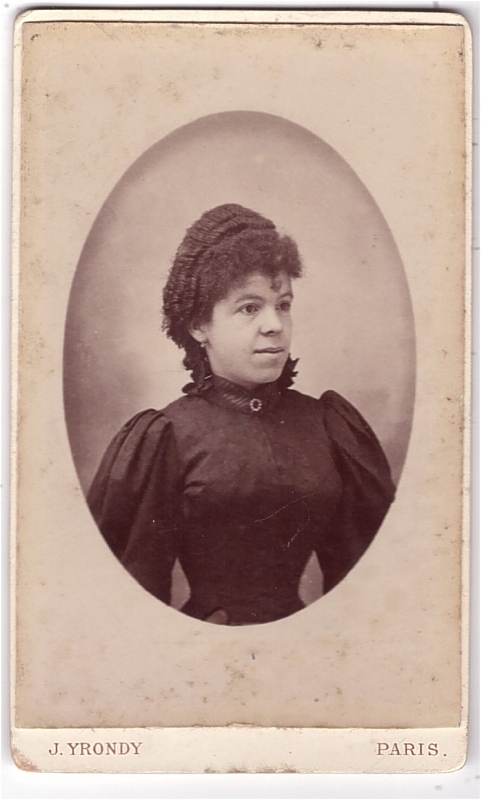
{"x": 271, "y": 350}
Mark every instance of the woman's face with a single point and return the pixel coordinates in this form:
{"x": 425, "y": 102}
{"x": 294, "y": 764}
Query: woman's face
{"x": 248, "y": 339}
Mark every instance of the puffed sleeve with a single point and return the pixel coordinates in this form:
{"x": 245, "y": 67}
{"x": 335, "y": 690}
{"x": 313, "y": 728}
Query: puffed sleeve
{"x": 134, "y": 500}
{"x": 367, "y": 488}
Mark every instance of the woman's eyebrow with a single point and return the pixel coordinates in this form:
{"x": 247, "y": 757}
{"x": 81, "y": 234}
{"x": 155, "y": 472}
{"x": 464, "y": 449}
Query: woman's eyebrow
{"x": 249, "y": 297}
{"x": 259, "y": 297}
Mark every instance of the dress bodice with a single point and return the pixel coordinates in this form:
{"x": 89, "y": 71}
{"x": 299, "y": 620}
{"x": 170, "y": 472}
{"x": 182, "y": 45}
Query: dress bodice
{"x": 242, "y": 487}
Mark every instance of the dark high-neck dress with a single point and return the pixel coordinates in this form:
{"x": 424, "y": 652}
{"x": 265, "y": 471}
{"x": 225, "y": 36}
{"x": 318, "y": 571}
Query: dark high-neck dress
{"x": 242, "y": 487}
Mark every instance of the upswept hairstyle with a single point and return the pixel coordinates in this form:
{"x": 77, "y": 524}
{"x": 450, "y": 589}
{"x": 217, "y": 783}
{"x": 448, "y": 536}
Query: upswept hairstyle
{"x": 219, "y": 251}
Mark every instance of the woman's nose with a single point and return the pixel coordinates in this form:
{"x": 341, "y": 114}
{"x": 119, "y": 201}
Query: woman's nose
{"x": 271, "y": 321}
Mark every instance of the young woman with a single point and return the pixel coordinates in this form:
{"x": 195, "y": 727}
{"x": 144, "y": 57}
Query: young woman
{"x": 243, "y": 478}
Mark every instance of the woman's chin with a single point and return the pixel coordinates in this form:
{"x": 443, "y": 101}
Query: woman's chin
{"x": 254, "y": 378}
{"x": 269, "y": 375}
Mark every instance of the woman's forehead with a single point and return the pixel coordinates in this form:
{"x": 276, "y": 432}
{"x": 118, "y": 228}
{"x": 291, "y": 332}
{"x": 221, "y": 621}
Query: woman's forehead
{"x": 259, "y": 284}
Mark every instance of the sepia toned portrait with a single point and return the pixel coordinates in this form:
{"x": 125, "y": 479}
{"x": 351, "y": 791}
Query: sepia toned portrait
{"x": 235, "y": 488}
{"x": 240, "y": 453}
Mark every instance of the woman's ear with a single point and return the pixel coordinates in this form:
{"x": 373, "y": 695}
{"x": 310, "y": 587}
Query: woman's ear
{"x": 198, "y": 334}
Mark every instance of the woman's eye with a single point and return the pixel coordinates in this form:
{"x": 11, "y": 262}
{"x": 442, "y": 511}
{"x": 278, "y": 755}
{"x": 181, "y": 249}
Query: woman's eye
{"x": 249, "y": 309}
{"x": 285, "y": 306}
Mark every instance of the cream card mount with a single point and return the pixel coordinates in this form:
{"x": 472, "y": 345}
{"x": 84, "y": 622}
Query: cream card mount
{"x": 241, "y": 386}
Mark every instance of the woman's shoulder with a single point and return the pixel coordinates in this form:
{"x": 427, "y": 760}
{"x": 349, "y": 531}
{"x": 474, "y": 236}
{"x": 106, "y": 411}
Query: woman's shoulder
{"x": 142, "y": 427}
{"x": 153, "y": 424}
{"x": 136, "y": 442}
{"x": 142, "y": 440}
{"x": 353, "y": 439}
{"x": 144, "y": 419}
{"x": 336, "y": 408}
{"x": 163, "y": 416}
{"x": 344, "y": 424}
{"x": 330, "y": 405}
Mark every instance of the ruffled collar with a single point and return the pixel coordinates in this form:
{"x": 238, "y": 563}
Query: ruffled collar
{"x": 222, "y": 392}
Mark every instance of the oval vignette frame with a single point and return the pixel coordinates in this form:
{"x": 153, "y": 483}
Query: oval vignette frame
{"x": 353, "y": 320}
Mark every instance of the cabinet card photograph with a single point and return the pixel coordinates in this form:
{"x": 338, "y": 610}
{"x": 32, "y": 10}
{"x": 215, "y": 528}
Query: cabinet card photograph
{"x": 241, "y": 391}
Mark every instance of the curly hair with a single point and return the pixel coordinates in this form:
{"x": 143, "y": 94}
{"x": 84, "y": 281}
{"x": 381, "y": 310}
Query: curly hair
{"x": 219, "y": 251}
